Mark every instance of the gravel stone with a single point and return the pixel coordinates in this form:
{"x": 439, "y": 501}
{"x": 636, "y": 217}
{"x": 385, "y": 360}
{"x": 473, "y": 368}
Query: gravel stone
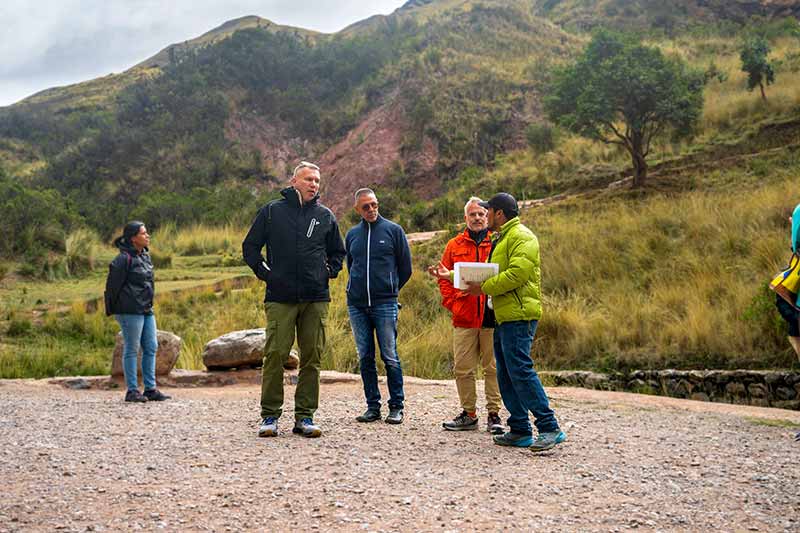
{"x": 84, "y": 460}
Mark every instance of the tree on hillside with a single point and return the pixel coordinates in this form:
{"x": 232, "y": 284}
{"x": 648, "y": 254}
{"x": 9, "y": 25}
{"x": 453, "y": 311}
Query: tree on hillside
{"x": 622, "y": 92}
{"x": 759, "y": 70}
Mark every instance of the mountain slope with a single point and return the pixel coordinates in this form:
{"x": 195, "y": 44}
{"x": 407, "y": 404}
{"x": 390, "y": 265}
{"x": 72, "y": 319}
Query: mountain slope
{"x": 207, "y": 129}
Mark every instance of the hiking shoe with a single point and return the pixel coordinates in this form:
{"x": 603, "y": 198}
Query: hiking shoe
{"x": 513, "y": 439}
{"x": 156, "y": 395}
{"x": 545, "y": 441}
{"x": 494, "y": 425}
{"x": 370, "y": 415}
{"x": 268, "y": 427}
{"x": 462, "y": 422}
{"x": 395, "y": 416}
{"x": 306, "y": 428}
{"x": 135, "y": 396}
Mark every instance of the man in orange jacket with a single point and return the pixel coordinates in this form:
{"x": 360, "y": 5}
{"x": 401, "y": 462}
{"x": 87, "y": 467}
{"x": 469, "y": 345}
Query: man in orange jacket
{"x": 472, "y": 327}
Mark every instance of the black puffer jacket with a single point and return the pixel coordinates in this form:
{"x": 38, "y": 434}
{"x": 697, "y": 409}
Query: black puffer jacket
{"x": 304, "y": 249}
{"x": 129, "y": 285}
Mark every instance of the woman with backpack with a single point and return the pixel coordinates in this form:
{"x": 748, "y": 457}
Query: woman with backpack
{"x": 129, "y": 297}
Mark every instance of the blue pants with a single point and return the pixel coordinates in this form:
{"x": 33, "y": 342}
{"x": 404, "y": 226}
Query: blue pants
{"x": 367, "y": 322}
{"x": 520, "y": 387}
{"x": 139, "y": 331}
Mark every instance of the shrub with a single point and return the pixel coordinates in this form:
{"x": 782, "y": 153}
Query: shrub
{"x": 81, "y": 251}
{"x": 541, "y": 137}
{"x": 19, "y": 327}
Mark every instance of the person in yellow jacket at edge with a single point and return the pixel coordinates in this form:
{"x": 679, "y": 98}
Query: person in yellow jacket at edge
{"x": 515, "y": 293}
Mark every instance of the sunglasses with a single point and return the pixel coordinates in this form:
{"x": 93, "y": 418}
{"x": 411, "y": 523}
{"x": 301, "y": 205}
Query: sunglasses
{"x": 371, "y": 205}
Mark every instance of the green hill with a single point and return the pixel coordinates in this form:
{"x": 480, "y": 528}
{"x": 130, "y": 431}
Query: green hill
{"x": 420, "y": 104}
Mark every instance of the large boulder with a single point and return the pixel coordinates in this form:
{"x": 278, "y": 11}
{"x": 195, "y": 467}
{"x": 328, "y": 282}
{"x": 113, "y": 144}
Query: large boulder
{"x": 169, "y": 348}
{"x": 240, "y": 348}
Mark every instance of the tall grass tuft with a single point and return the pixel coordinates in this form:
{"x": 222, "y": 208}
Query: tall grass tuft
{"x": 81, "y": 249}
{"x": 199, "y": 239}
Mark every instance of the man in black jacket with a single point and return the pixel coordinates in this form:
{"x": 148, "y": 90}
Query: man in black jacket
{"x": 379, "y": 263}
{"x": 304, "y": 250}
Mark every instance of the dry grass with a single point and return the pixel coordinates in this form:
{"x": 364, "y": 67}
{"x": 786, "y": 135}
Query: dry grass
{"x": 199, "y": 239}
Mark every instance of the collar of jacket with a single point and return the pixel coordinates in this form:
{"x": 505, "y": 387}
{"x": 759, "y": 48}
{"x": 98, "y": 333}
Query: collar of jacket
{"x": 465, "y": 235}
{"x": 129, "y": 248}
{"x": 377, "y": 221}
{"x": 292, "y": 196}
{"x": 507, "y": 226}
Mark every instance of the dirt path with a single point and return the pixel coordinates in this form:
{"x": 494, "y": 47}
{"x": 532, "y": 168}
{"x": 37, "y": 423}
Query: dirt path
{"x": 84, "y": 460}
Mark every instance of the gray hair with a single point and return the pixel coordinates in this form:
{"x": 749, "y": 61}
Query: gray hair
{"x": 472, "y": 200}
{"x": 363, "y": 192}
{"x": 302, "y": 165}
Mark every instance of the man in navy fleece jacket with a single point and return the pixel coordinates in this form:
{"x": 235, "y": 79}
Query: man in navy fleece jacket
{"x": 379, "y": 264}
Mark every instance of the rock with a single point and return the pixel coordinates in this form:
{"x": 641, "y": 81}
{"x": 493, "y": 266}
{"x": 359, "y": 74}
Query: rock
{"x": 700, "y": 397}
{"x": 235, "y": 349}
{"x": 169, "y": 348}
{"x": 681, "y": 388}
{"x": 785, "y": 393}
{"x": 771, "y": 378}
{"x": 292, "y": 360}
{"x": 758, "y": 390}
{"x": 76, "y": 384}
{"x": 735, "y": 391}
{"x": 241, "y": 348}
{"x": 596, "y": 381}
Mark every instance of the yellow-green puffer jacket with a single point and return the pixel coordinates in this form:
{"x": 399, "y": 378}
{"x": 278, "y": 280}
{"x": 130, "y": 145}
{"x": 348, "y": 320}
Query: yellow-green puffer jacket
{"x": 516, "y": 291}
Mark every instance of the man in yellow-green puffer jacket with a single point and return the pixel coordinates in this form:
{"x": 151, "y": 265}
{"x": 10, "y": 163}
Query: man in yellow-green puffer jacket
{"x": 515, "y": 294}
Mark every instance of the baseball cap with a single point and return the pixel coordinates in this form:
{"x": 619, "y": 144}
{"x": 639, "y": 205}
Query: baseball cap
{"x": 502, "y": 201}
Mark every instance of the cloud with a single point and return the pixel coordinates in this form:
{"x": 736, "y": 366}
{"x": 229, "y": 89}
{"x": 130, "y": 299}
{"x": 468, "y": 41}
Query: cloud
{"x": 58, "y": 42}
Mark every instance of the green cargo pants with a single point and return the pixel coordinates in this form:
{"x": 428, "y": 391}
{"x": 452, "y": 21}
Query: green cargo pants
{"x": 283, "y": 319}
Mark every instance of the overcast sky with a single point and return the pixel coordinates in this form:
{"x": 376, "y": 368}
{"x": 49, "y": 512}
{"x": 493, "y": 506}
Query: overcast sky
{"x": 47, "y": 43}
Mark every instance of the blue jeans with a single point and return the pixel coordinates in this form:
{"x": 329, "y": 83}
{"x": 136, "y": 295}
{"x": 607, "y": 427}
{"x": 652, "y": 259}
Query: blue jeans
{"x": 139, "y": 331}
{"x": 519, "y": 383}
{"x": 380, "y": 320}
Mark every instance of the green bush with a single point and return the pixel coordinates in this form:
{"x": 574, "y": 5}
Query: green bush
{"x": 542, "y": 137}
{"x": 19, "y": 327}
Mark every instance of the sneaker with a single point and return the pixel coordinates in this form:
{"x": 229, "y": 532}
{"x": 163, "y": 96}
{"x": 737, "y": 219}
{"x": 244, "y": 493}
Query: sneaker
{"x": 494, "y": 425}
{"x": 306, "y": 428}
{"x": 268, "y": 427}
{"x": 370, "y": 415}
{"x": 462, "y": 422}
{"x": 156, "y": 395}
{"x": 513, "y": 439}
{"x": 545, "y": 441}
{"x": 135, "y": 396}
{"x": 395, "y": 416}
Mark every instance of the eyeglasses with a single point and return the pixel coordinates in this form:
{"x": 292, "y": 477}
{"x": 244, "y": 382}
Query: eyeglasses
{"x": 304, "y": 164}
{"x": 371, "y": 205}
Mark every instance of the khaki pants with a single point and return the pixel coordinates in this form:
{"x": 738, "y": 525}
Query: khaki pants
{"x": 471, "y": 346}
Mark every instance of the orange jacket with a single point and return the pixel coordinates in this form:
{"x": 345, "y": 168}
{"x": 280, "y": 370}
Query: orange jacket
{"x": 467, "y": 310}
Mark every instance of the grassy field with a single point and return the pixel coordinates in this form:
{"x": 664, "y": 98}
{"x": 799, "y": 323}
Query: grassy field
{"x": 670, "y": 276}
{"x": 631, "y": 280}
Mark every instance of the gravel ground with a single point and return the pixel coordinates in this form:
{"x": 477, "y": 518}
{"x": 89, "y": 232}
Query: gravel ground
{"x": 86, "y": 461}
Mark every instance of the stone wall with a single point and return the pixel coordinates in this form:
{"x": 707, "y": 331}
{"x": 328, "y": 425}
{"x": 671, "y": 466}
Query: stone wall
{"x": 754, "y": 387}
